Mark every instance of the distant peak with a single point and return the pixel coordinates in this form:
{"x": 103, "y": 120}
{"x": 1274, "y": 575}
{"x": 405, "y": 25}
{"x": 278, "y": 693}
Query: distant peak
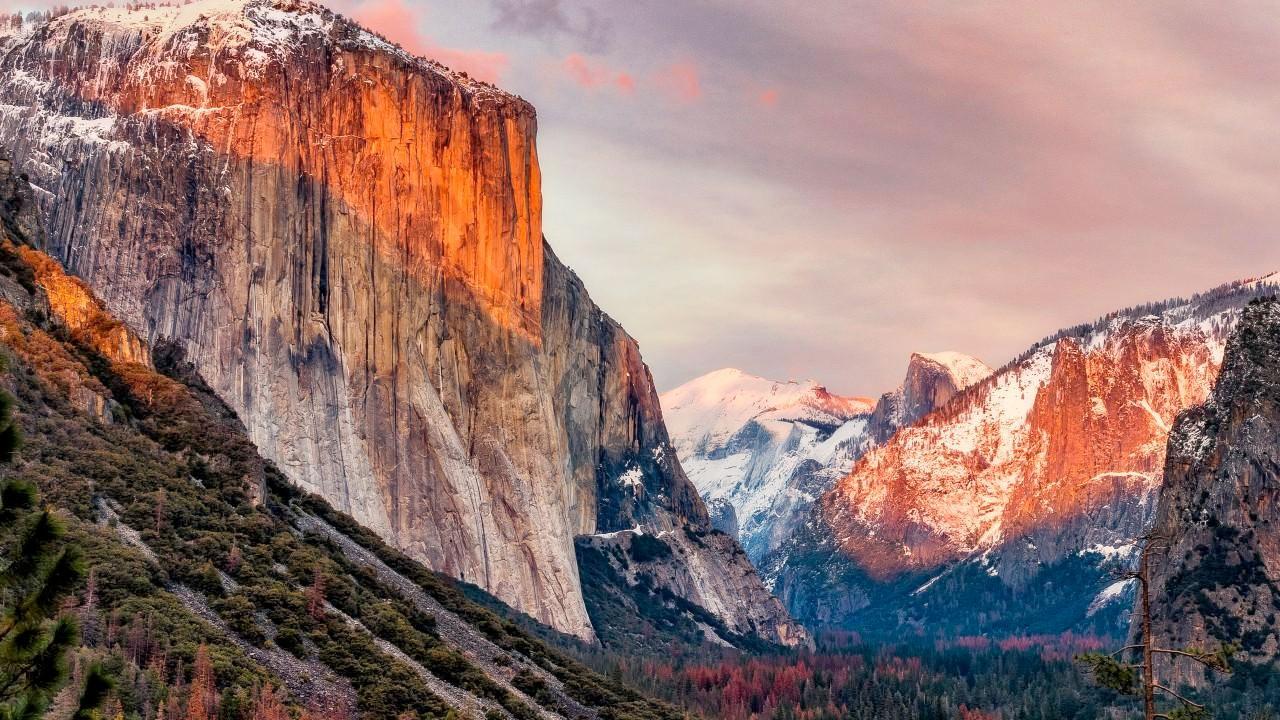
{"x": 965, "y": 370}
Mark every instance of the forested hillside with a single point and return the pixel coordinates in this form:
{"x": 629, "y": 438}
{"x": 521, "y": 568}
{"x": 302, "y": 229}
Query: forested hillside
{"x": 215, "y": 589}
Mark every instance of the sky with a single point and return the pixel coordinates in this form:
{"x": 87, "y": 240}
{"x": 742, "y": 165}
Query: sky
{"x": 813, "y": 190}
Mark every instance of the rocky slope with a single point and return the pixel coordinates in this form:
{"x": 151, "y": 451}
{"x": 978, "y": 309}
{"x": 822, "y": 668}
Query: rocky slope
{"x": 1030, "y": 482}
{"x": 192, "y": 540}
{"x": 1216, "y": 576}
{"x": 347, "y": 242}
{"x": 760, "y": 451}
{"x": 932, "y": 380}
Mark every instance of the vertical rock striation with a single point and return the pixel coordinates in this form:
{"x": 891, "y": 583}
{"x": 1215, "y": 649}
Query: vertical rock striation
{"x": 1216, "y": 577}
{"x": 347, "y": 239}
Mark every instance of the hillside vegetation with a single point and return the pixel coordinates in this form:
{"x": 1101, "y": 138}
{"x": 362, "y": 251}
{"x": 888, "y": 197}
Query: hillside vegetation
{"x": 215, "y": 589}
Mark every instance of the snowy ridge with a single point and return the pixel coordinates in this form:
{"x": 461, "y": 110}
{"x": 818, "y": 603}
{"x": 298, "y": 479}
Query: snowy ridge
{"x": 703, "y": 414}
{"x": 993, "y": 464}
{"x": 259, "y": 31}
{"x": 1215, "y": 312}
{"x": 767, "y": 448}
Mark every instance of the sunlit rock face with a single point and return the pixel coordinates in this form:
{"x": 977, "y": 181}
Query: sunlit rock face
{"x": 348, "y": 241}
{"x": 1055, "y": 457}
{"x": 1216, "y": 567}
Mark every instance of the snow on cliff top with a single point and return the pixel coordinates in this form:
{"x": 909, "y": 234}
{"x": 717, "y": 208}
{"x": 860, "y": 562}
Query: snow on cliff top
{"x": 706, "y": 411}
{"x": 273, "y": 26}
{"x": 965, "y": 370}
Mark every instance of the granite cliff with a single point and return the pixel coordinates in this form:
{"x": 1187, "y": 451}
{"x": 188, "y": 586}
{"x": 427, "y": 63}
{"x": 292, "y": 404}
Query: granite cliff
{"x": 346, "y": 239}
{"x": 1215, "y": 573}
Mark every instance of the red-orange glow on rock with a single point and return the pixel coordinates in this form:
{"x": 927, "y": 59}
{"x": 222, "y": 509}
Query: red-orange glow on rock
{"x": 75, "y": 306}
{"x": 443, "y": 169}
{"x": 964, "y": 478}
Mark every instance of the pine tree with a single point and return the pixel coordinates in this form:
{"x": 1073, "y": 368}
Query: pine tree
{"x": 202, "y": 703}
{"x": 38, "y": 570}
{"x": 267, "y": 705}
{"x": 1139, "y": 679}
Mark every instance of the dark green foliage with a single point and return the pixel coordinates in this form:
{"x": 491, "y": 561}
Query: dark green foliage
{"x": 10, "y": 437}
{"x": 647, "y": 548}
{"x": 1111, "y": 673}
{"x": 97, "y": 684}
{"x": 535, "y": 687}
{"x": 38, "y": 570}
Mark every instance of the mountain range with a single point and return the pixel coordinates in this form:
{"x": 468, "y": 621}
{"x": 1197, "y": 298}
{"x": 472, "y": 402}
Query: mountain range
{"x": 965, "y": 501}
{"x": 761, "y": 451}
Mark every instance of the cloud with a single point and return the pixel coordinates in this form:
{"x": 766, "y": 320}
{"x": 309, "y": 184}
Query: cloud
{"x": 594, "y": 74}
{"x": 1017, "y": 167}
{"x": 681, "y": 81}
{"x": 768, "y": 97}
{"x": 487, "y": 66}
{"x": 400, "y": 24}
{"x": 549, "y": 19}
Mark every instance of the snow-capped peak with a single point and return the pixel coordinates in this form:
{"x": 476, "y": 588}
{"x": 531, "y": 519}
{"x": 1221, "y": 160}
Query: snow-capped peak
{"x": 257, "y": 31}
{"x": 706, "y": 411}
{"x": 965, "y": 370}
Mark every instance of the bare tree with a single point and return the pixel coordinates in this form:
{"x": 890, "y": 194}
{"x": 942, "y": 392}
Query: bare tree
{"x": 1139, "y": 678}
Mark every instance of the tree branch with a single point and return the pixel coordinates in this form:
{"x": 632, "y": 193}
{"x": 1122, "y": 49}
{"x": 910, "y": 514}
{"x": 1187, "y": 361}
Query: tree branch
{"x": 1185, "y": 701}
{"x": 1200, "y": 658}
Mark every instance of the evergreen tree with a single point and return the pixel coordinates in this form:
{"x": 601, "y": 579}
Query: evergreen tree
{"x": 1139, "y": 678}
{"x": 38, "y": 570}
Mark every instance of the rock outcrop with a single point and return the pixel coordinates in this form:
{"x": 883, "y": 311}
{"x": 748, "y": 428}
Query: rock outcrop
{"x": 1051, "y": 465}
{"x": 347, "y": 241}
{"x": 1216, "y": 570}
{"x": 932, "y": 380}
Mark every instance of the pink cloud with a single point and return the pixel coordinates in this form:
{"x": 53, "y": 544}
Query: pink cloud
{"x": 400, "y": 24}
{"x": 487, "y": 66}
{"x": 681, "y": 81}
{"x": 591, "y": 74}
{"x": 768, "y": 97}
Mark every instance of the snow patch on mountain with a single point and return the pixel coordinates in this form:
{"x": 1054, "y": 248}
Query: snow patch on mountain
{"x": 964, "y": 369}
{"x": 1115, "y": 592}
{"x": 767, "y": 448}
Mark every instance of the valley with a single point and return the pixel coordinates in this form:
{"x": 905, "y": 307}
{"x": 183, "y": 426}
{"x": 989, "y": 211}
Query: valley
{"x": 302, "y": 417}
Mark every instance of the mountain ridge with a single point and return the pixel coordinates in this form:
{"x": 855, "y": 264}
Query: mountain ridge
{"x": 1052, "y": 460}
{"x": 760, "y": 451}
